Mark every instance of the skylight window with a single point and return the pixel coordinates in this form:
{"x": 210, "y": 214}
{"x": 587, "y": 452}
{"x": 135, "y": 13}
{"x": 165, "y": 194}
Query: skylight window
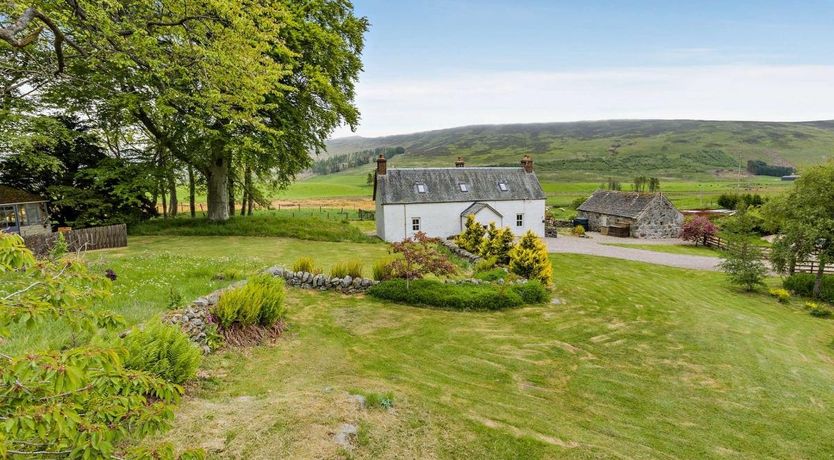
{"x": 421, "y": 188}
{"x": 463, "y": 187}
{"x": 503, "y": 186}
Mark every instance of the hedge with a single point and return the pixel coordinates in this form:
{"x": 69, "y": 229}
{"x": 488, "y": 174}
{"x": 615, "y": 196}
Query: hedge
{"x": 803, "y": 284}
{"x": 460, "y": 296}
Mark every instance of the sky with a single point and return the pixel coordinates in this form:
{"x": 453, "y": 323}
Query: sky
{"x": 432, "y": 64}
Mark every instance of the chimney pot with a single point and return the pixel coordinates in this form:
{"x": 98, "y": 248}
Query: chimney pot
{"x": 527, "y": 163}
{"x": 459, "y": 162}
{"x": 381, "y": 165}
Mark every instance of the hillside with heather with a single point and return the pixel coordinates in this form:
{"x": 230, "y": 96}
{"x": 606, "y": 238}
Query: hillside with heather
{"x": 590, "y": 150}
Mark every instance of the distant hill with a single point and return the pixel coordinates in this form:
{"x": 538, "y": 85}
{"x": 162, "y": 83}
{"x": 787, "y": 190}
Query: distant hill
{"x": 621, "y": 148}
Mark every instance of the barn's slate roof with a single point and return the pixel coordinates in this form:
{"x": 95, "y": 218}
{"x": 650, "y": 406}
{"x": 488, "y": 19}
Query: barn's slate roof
{"x": 622, "y": 204}
{"x": 9, "y": 195}
{"x": 399, "y": 185}
{"x": 477, "y": 207}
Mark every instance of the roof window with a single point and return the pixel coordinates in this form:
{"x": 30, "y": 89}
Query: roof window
{"x": 421, "y": 188}
{"x": 463, "y": 187}
{"x": 503, "y": 186}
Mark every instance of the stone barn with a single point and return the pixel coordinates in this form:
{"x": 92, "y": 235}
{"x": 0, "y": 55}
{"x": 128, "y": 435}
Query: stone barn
{"x": 639, "y": 215}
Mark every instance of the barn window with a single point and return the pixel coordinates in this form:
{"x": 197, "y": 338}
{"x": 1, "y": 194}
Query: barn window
{"x": 421, "y": 188}
{"x": 463, "y": 187}
{"x": 503, "y": 186}
{"x": 415, "y": 224}
{"x": 519, "y": 220}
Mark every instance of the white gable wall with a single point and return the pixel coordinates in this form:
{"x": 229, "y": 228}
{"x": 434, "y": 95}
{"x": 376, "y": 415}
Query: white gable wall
{"x": 441, "y": 220}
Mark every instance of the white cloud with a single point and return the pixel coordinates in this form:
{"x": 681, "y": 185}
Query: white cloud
{"x": 731, "y": 92}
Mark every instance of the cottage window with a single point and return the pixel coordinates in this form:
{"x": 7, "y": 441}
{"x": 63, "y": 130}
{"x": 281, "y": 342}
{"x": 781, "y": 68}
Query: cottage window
{"x": 519, "y": 220}
{"x": 503, "y": 186}
{"x": 33, "y": 215}
{"x": 463, "y": 187}
{"x": 421, "y": 188}
{"x": 8, "y": 218}
{"x": 415, "y": 224}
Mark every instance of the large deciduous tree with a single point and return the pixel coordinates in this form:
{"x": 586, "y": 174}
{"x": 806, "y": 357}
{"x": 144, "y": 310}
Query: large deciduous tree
{"x": 213, "y": 83}
{"x": 804, "y": 218}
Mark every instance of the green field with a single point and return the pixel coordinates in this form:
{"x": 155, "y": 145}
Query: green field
{"x": 636, "y": 361}
{"x": 591, "y": 151}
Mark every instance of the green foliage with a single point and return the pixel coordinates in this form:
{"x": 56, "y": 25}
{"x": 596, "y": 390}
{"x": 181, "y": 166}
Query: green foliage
{"x": 339, "y": 270}
{"x": 485, "y": 264}
{"x": 742, "y": 262}
{"x": 79, "y": 402}
{"x": 229, "y": 273}
{"x": 270, "y": 224}
{"x": 577, "y": 202}
{"x": 802, "y": 284}
{"x": 383, "y": 270}
{"x": 782, "y": 295}
{"x": 472, "y": 236}
{"x": 494, "y": 274}
{"x": 342, "y": 269}
{"x": 529, "y": 259}
{"x": 345, "y": 161}
{"x": 736, "y": 200}
{"x": 162, "y": 350}
{"x": 805, "y": 220}
{"x": 375, "y": 400}
{"x": 60, "y": 248}
{"x": 578, "y": 231}
{"x": 497, "y": 243}
{"x": 260, "y": 301}
{"x": 761, "y": 168}
{"x": 452, "y": 296}
{"x": 304, "y": 264}
{"x": 13, "y": 253}
{"x": 817, "y": 310}
{"x": 532, "y": 292}
{"x": 174, "y": 298}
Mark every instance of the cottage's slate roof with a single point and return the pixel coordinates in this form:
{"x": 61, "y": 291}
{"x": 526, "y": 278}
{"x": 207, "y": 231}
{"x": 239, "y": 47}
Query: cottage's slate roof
{"x": 442, "y": 185}
{"x": 477, "y": 207}
{"x": 622, "y": 204}
{"x": 9, "y": 195}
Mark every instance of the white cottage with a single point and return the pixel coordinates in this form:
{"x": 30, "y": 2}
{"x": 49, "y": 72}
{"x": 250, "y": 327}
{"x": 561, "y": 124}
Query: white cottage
{"x": 436, "y": 201}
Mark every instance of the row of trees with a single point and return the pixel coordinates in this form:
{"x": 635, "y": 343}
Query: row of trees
{"x": 345, "y": 161}
{"x": 760, "y": 168}
{"x": 225, "y": 92}
{"x": 639, "y": 184}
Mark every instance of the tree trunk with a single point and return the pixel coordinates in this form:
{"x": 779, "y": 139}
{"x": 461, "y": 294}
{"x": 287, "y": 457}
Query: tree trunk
{"x": 173, "y": 202}
{"x": 191, "y": 192}
{"x": 164, "y": 203}
{"x": 217, "y": 181}
{"x": 818, "y": 281}
{"x": 231, "y": 188}
{"x": 247, "y": 197}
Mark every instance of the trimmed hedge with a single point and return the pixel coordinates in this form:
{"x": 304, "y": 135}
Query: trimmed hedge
{"x": 803, "y": 284}
{"x": 460, "y": 296}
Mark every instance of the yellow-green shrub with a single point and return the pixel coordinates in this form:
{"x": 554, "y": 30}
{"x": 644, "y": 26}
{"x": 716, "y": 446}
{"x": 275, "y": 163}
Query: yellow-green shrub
{"x": 498, "y": 245}
{"x": 383, "y": 270}
{"x": 260, "y": 301}
{"x": 472, "y": 235}
{"x": 304, "y": 264}
{"x": 578, "y": 230}
{"x": 782, "y": 295}
{"x": 529, "y": 259}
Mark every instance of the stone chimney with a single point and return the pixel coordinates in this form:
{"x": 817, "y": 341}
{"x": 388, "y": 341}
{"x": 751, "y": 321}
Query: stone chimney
{"x": 527, "y": 163}
{"x": 381, "y": 165}
{"x": 459, "y": 162}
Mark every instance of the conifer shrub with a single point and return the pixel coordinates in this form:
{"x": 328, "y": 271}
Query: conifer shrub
{"x": 485, "y": 264}
{"x": 163, "y": 350}
{"x": 259, "y": 302}
{"x": 498, "y": 243}
{"x": 529, "y": 259}
{"x": 472, "y": 235}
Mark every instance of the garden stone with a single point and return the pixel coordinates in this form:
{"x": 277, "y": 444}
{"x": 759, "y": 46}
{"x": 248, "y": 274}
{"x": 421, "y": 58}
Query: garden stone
{"x": 346, "y": 282}
{"x": 345, "y": 435}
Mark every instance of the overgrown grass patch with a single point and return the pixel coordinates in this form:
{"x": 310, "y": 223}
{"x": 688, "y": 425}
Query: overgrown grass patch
{"x": 266, "y": 224}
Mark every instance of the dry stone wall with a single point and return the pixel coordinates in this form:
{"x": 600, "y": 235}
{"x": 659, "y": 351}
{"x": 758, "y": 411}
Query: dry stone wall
{"x": 460, "y": 252}
{"x": 322, "y": 282}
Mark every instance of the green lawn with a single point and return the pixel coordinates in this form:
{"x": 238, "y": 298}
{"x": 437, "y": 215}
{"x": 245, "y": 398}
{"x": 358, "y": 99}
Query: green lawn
{"x": 637, "y": 361}
{"x": 686, "y": 249}
{"x": 640, "y": 361}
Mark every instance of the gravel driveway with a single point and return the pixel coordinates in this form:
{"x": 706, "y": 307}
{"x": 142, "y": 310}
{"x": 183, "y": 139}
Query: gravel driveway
{"x": 593, "y": 246}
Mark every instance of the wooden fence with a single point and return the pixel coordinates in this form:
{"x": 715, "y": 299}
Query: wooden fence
{"x": 806, "y": 266}
{"x": 112, "y": 236}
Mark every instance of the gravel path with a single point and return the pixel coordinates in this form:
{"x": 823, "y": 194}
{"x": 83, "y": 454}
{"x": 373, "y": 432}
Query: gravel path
{"x": 593, "y": 246}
